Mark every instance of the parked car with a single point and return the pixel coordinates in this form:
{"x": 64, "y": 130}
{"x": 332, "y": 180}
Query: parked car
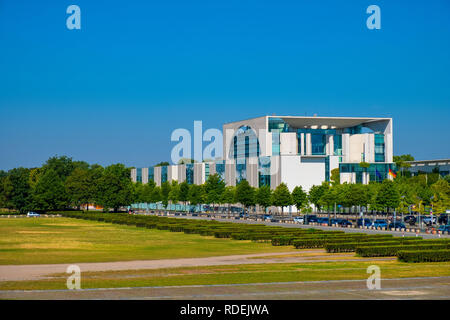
{"x": 300, "y": 219}
{"x": 267, "y": 217}
{"x": 380, "y": 223}
{"x": 335, "y": 221}
{"x": 33, "y": 214}
{"x": 396, "y": 225}
{"x": 367, "y": 222}
{"x": 444, "y": 228}
{"x": 322, "y": 220}
{"x": 410, "y": 219}
{"x": 443, "y": 218}
{"x": 311, "y": 218}
{"x": 344, "y": 223}
{"x": 428, "y": 220}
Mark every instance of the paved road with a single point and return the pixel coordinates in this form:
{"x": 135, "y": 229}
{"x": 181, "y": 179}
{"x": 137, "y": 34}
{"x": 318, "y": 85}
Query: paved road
{"x": 391, "y": 289}
{"x": 42, "y": 271}
{"x": 350, "y": 230}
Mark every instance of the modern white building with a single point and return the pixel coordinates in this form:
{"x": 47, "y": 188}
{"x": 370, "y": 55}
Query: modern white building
{"x": 299, "y": 151}
{"x": 441, "y": 166}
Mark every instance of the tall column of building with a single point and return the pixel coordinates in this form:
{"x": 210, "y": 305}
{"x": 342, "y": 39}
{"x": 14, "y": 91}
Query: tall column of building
{"x": 345, "y": 147}
{"x": 330, "y": 144}
{"x": 230, "y": 173}
{"x": 181, "y": 173}
{"x": 199, "y": 173}
{"x": 252, "y": 171}
{"x": 157, "y": 173}
{"x": 308, "y": 144}
{"x": 302, "y": 144}
{"x": 134, "y": 175}
{"x": 144, "y": 175}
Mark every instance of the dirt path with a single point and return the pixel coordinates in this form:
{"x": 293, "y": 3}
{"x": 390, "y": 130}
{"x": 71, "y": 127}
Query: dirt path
{"x": 42, "y": 271}
{"x": 391, "y": 289}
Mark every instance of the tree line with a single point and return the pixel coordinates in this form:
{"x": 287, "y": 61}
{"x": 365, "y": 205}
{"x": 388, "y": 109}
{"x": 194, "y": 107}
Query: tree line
{"x": 62, "y": 183}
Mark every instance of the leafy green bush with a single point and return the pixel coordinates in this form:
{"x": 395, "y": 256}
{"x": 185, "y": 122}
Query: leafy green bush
{"x": 390, "y": 251}
{"x": 335, "y": 247}
{"x": 423, "y": 255}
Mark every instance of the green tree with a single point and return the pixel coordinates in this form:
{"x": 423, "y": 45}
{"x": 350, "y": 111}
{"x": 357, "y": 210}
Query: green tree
{"x": 214, "y": 188}
{"x": 245, "y": 194}
{"x": 183, "y": 194}
{"x": 335, "y": 177}
{"x": 156, "y": 195}
{"x": 315, "y": 193}
{"x": 196, "y": 194}
{"x": 401, "y": 162}
{"x": 147, "y": 191}
{"x": 299, "y": 198}
{"x": 115, "y": 188}
{"x": 281, "y": 197}
{"x": 165, "y": 190}
{"x": 174, "y": 194}
{"x": 162, "y": 164}
{"x": 388, "y": 195}
{"x": 63, "y": 166}
{"x": 77, "y": 187}
{"x": 263, "y": 197}
{"x": 229, "y": 197}
{"x": 17, "y": 193}
{"x": 441, "y": 196}
{"x": 50, "y": 193}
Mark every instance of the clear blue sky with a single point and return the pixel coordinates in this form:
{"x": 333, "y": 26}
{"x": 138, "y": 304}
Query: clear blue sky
{"x": 114, "y": 90}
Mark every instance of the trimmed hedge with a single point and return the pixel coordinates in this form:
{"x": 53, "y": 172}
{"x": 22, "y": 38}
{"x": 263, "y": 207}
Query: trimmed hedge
{"x": 423, "y": 255}
{"x": 351, "y": 246}
{"x": 390, "y": 251}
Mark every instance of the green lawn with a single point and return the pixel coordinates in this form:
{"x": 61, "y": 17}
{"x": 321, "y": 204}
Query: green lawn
{"x": 256, "y": 273}
{"x": 65, "y": 240}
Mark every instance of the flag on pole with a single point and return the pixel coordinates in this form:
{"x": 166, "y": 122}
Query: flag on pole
{"x": 379, "y": 176}
{"x": 392, "y": 173}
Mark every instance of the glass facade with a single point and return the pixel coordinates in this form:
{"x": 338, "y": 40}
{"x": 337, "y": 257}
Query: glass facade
{"x": 377, "y": 171}
{"x": 151, "y": 174}
{"x": 220, "y": 169}
{"x": 190, "y": 173}
{"x": 163, "y": 174}
{"x": 379, "y": 148}
{"x": 139, "y": 174}
{"x": 337, "y": 145}
{"x": 245, "y": 143}
{"x": 275, "y": 143}
{"x": 264, "y": 171}
{"x": 206, "y": 171}
{"x": 318, "y": 143}
{"x": 241, "y": 170}
{"x": 327, "y": 168}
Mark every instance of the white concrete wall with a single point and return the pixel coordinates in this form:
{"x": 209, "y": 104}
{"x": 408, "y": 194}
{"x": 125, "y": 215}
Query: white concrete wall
{"x": 260, "y": 127}
{"x": 345, "y": 147}
{"x": 172, "y": 173}
{"x": 134, "y": 175}
{"x": 199, "y": 173}
{"x": 252, "y": 171}
{"x": 181, "y": 173}
{"x": 275, "y": 172}
{"x": 356, "y": 147}
{"x": 348, "y": 177}
{"x": 144, "y": 175}
{"x": 157, "y": 174}
{"x": 288, "y": 143}
{"x": 303, "y": 171}
{"x": 308, "y": 146}
{"x": 334, "y": 163}
{"x": 230, "y": 173}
